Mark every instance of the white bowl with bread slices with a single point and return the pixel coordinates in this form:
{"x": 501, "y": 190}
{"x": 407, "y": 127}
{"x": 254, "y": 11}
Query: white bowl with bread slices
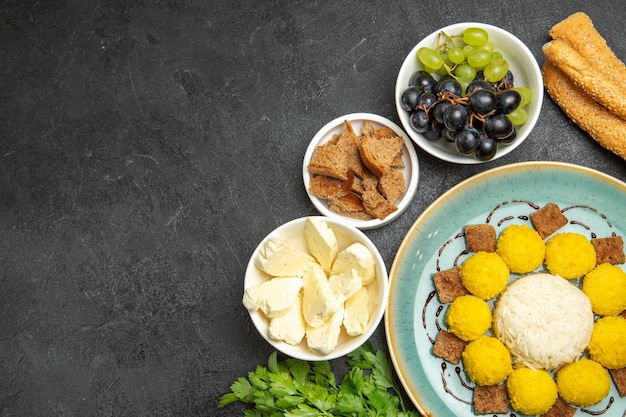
{"x": 316, "y": 288}
{"x": 361, "y": 168}
{"x": 521, "y": 64}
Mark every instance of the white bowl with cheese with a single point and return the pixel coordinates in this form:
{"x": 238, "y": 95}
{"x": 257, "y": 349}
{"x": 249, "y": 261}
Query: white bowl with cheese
{"x": 306, "y": 291}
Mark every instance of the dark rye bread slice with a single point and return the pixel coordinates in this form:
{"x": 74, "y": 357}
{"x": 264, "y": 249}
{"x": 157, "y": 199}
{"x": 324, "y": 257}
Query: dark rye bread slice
{"x": 338, "y": 156}
{"x": 349, "y": 205}
{"x": 619, "y": 378}
{"x": 448, "y": 285}
{"x": 548, "y": 219}
{"x": 379, "y": 153}
{"x": 480, "y": 237}
{"x": 609, "y": 249}
{"x": 325, "y": 187}
{"x": 560, "y": 409}
{"x": 491, "y": 399}
{"x": 376, "y": 205}
{"x": 449, "y": 347}
{"x": 392, "y": 185}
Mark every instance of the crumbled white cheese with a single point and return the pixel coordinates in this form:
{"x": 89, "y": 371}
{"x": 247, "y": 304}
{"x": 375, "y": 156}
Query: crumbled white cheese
{"x": 324, "y": 339}
{"x": 279, "y": 259}
{"x": 290, "y": 327}
{"x": 345, "y": 284}
{"x": 318, "y": 301}
{"x": 356, "y": 315}
{"x": 356, "y": 256}
{"x": 273, "y": 297}
{"x": 322, "y": 242}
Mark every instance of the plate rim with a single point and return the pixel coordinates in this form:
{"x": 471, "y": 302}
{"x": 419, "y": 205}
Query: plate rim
{"x": 417, "y": 400}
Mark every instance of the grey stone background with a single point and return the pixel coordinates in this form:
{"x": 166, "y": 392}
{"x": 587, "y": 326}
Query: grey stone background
{"x": 147, "y": 147}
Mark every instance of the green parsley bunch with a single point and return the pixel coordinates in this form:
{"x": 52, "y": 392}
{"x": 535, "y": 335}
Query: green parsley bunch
{"x": 295, "y": 388}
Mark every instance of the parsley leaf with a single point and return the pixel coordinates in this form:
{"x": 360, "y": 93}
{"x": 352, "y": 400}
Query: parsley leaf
{"x": 296, "y": 388}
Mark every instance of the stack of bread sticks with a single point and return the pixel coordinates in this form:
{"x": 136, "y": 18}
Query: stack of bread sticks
{"x": 587, "y": 80}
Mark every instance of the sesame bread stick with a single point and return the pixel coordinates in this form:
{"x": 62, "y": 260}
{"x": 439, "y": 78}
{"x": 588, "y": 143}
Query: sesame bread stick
{"x": 604, "y": 90}
{"x": 578, "y": 31}
{"x": 604, "y": 126}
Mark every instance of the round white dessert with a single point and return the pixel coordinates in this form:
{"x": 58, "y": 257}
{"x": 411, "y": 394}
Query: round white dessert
{"x": 544, "y": 320}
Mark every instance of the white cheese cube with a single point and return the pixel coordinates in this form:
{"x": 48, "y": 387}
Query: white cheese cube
{"x": 322, "y": 242}
{"x": 356, "y": 256}
{"x": 356, "y": 313}
{"x": 273, "y": 297}
{"x": 318, "y": 300}
{"x": 324, "y": 339}
{"x": 277, "y": 258}
{"x": 345, "y": 284}
{"x": 290, "y": 327}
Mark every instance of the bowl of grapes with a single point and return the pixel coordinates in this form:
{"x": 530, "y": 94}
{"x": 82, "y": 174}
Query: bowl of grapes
{"x": 469, "y": 93}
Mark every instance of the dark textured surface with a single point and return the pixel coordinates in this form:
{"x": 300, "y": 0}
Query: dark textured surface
{"x": 147, "y": 147}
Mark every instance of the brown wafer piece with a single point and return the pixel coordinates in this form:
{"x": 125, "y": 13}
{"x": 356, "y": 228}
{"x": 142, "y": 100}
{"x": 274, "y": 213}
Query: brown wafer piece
{"x": 608, "y": 129}
{"x": 578, "y": 31}
{"x": 609, "y": 93}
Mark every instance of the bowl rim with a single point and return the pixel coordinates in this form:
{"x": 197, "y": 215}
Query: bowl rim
{"x": 533, "y": 112}
{"x": 323, "y": 135}
{"x": 300, "y": 351}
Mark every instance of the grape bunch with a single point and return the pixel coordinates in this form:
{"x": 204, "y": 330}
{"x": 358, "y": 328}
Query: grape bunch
{"x": 466, "y": 95}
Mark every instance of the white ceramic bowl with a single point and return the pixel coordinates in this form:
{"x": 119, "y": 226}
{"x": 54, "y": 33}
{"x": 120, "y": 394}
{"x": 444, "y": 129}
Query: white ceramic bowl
{"x": 293, "y": 233}
{"x": 409, "y": 157}
{"x": 522, "y": 64}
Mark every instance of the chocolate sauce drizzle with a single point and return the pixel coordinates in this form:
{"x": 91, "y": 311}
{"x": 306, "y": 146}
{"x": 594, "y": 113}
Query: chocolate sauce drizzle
{"x": 457, "y": 259}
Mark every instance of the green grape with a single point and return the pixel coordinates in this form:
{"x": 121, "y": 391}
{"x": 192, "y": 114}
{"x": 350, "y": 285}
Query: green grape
{"x": 478, "y": 58}
{"x": 442, "y": 71}
{"x": 487, "y": 47}
{"x": 475, "y": 36}
{"x": 526, "y": 94}
{"x": 464, "y": 83}
{"x": 518, "y": 116}
{"x": 456, "y": 55}
{"x": 496, "y": 70}
{"x": 465, "y": 72}
{"x": 496, "y": 55}
{"x": 430, "y": 58}
{"x": 431, "y": 70}
{"x": 467, "y": 49}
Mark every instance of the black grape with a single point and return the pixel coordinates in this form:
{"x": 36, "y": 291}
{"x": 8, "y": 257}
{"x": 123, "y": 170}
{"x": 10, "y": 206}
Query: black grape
{"x": 409, "y": 98}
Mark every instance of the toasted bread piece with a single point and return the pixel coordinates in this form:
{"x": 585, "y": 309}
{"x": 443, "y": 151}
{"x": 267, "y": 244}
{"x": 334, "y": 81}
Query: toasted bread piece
{"x": 605, "y": 127}
{"x": 338, "y": 156}
{"x": 449, "y": 347}
{"x": 560, "y": 409}
{"x": 349, "y": 205}
{"x": 480, "y": 237}
{"x": 376, "y": 205}
{"x": 609, "y": 249}
{"x": 329, "y": 160}
{"x": 448, "y": 285}
{"x": 391, "y": 185}
{"x": 384, "y": 132}
{"x": 619, "y": 377}
{"x": 548, "y": 219}
{"x": 368, "y": 181}
{"x": 378, "y": 154}
{"x": 491, "y": 399}
{"x": 322, "y": 186}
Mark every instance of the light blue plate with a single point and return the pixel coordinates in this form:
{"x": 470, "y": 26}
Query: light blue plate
{"x": 595, "y": 205}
